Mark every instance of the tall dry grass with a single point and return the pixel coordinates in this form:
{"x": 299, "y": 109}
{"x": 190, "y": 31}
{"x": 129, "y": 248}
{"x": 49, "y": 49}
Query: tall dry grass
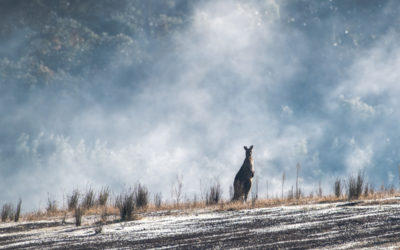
{"x": 338, "y": 188}
{"x": 141, "y": 195}
{"x": 18, "y": 211}
{"x": 7, "y": 212}
{"x": 104, "y": 194}
{"x": 73, "y": 200}
{"x": 214, "y": 195}
{"x": 88, "y": 199}
{"x": 355, "y": 186}
{"x": 129, "y": 205}
{"x": 79, "y": 211}
{"x": 126, "y": 205}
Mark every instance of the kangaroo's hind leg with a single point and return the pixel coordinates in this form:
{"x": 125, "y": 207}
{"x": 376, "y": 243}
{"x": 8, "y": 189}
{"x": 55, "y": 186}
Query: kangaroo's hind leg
{"x": 246, "y": 189}
{"x": 238, "y": 190}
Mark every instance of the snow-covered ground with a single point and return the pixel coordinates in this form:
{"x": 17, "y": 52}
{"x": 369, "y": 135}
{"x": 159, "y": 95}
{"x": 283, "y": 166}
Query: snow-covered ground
{"x": 335, "y": 225}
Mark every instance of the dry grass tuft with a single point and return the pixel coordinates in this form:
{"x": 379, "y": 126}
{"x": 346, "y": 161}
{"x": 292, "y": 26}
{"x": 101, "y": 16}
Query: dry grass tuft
{"x": 18, "y": 211}
{"x": 89, "y": 199}
{"x": 157, "y": 200}
{"x": 51, "y": 206}
{"x": 7, "y": 212}
{"x": 73, "y": 200}
{"x": 141, "y": 196}
{"x": 355, "y": 186}
{"x": 214, "y": 194}
{"x": 78, "y": 216}
{"x": 338, "y": 188}
{"x": 103, "y": 196}
{"x": 126, "y": 205}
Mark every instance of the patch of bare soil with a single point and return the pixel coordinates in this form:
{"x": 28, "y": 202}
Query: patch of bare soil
{"x": 338, "y": 225}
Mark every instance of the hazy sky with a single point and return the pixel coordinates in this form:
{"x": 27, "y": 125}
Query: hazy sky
{"x": 309, "y": 82}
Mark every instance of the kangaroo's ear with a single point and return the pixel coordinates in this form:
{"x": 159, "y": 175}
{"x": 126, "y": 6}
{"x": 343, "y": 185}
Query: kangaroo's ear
{"x": 251, "y": 147}
{"x": 245, "y": 148}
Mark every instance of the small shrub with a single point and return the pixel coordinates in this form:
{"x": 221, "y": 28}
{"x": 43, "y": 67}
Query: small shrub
{"x": 126, "y": 205}
{"x": 338, "y": 188}
{"x": 157, "y": 200}
{"x": 7, "y": 212}
{"x": 51, "y": 205}
{"x": 355, "y": 186}
{"x": 18, "y": 211}
{"x": 103, "y": 196}
{"x": 88, "y": 199}
{"x": 78, "y": 216}
{"x": 214, "y": 194}
{"x": 73, "y": 200}
{"x": 141, "y": 196}
{"x": 351, "y": 188}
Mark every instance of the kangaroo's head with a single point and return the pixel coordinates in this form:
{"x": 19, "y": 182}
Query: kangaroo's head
{"x": 249, "y": 151}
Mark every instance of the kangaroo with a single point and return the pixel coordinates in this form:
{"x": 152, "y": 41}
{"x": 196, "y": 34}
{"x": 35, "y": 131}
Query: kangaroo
{"x": 243, "y": 178}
